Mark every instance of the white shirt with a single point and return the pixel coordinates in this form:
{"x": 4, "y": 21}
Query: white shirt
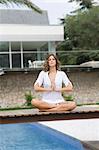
{"x": 44, "y": 80}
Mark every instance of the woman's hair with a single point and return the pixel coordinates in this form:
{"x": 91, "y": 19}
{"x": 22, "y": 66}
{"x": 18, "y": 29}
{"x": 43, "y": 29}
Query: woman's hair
{"x": 46, "y": 64}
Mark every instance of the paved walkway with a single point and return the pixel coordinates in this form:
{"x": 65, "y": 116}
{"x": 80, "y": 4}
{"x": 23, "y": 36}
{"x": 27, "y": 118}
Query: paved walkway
{"x": 84, "y": 108}
{"x": 34, "y": 111}
{"x": 33, "y": 115}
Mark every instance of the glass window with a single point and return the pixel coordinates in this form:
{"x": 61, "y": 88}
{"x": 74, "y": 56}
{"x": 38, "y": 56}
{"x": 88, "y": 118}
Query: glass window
{"x": 30, "y": 46}
{"x": 15, "y": 46}
{"x": 16, "y": 60}
{"x": 4, "y": 46}
{"x": 4, "y": 61}
{"x": 28, "y": 56}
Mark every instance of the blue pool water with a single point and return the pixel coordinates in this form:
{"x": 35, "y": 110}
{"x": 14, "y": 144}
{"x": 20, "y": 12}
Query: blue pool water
{"x": 34, "y": 136}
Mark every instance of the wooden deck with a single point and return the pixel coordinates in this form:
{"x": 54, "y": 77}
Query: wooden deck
{"x": 33, "y": 115}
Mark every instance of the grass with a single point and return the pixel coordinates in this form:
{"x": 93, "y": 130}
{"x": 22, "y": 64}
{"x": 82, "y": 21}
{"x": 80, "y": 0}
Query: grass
{"x": 31, "y": 107}
{"x": 16, "y": 108}
{"x": 88, "y": 104}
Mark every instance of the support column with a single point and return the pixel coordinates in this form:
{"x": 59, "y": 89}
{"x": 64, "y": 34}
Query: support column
{"x": 10, "y": 55}
{"x": 51, "y": 47}
{"x": 38, "y": 54}
{"x": 21, "y": 47}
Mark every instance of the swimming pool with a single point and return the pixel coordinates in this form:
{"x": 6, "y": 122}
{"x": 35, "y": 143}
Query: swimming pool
{"x": 34, "y": 136}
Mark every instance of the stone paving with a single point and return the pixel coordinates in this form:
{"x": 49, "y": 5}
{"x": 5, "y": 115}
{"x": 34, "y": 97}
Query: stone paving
{"x": 34, "y": 111}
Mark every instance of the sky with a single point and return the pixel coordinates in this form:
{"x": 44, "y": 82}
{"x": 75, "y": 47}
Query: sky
{"x": 56, "y": 8}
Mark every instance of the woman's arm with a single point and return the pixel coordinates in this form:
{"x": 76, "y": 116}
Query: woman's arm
{"x": 38, "y": 88}
{"x": 68, "y": 85}
{"x": 67, "y": 88}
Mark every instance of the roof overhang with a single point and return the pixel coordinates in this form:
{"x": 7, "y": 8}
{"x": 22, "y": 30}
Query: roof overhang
{"x": 17, "y": 32}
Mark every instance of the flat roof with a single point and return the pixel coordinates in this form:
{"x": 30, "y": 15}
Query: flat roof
{"x": 17, "y": 32}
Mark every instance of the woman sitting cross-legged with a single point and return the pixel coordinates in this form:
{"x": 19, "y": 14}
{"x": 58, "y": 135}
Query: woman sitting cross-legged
{"x": 50, "y": 82}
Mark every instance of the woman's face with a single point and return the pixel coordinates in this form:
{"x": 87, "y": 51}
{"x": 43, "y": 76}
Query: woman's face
{"x": 51, "y": 61}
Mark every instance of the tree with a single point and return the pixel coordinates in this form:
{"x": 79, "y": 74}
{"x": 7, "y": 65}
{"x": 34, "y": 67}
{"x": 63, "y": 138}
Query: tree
{"x": 84, "y": 3}
{"x": 82, "y": 29}
{"x": 27, "y": 3}
{"x": 81, "y": 33}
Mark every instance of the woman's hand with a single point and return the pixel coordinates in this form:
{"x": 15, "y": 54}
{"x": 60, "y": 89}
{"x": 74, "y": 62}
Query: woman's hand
{"x": 50, "y": 89}
{"x": 68, "y": 88}
{"x": 38, "y": 88}
{"x": 54, "y": 88}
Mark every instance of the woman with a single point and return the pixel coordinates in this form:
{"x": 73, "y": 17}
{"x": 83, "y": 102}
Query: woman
{"x": 50, "y": 82}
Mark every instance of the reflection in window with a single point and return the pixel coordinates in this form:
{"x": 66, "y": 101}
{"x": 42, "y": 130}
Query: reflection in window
{"x": 29, "y": 51}
{"x": 4, "y": 46}
{"x": 30, "y": 46}
{"x": 16, "y": 60}
{"x": 4, "y": 61}
{"x": 15, "y": 46}
{"x": 28, "y": 56}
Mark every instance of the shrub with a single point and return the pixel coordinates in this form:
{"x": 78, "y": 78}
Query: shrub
{"x": 28, "y": 97}
{"x": 68, "y": 97}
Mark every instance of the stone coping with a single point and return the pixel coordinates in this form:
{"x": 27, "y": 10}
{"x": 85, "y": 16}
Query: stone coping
{"x": 33, "y": 115}
{"x": 63, "y": 67}
{"x": 78, "y": 109}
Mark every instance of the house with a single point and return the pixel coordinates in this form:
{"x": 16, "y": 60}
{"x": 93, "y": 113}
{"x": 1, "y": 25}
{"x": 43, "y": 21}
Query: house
{"x": 26, "y": 35}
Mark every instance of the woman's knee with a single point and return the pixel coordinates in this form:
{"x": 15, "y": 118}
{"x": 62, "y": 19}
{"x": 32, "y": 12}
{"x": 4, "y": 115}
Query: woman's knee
{"x": 34, "y": 101}
{"x": 73, "y": 105}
